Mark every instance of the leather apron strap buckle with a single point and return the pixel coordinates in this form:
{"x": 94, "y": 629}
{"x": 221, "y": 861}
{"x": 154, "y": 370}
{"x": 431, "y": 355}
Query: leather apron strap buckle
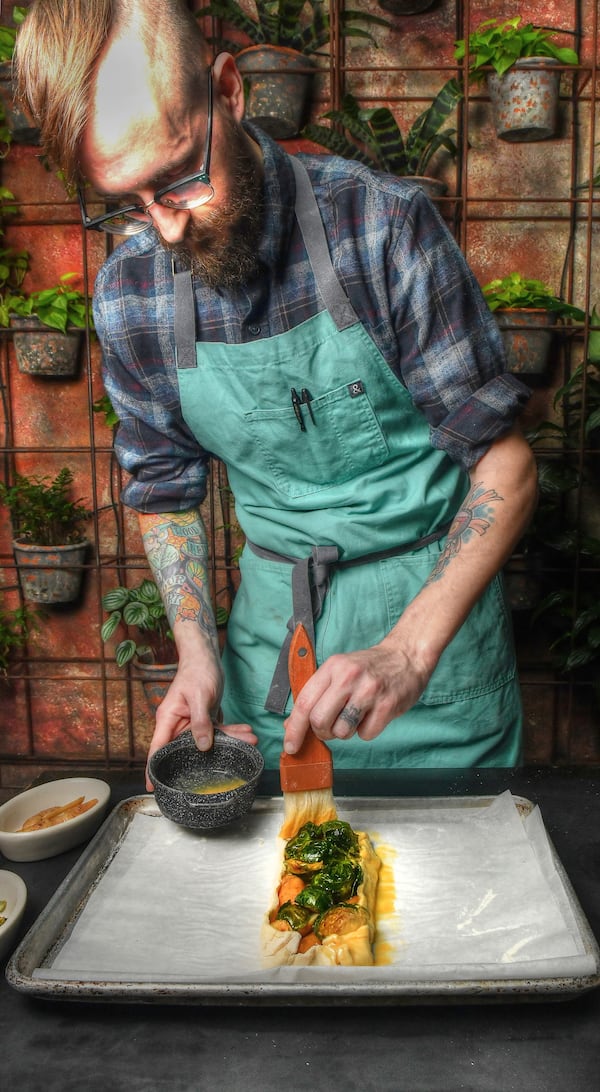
{"x": 310, "y": 583}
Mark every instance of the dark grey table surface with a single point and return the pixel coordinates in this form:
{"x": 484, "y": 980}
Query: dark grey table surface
{"x": 529, "y": 1046}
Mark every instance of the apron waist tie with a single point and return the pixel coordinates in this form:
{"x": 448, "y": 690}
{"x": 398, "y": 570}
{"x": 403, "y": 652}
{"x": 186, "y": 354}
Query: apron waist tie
{"x": 310, "y": 583}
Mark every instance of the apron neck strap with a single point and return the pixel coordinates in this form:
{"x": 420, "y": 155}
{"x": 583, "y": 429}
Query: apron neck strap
{"x": 185, "y": 320}
{"x": 311, "y": 225}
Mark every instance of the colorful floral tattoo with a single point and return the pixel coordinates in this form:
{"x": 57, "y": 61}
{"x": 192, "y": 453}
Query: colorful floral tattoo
{"x": 474, "y": 517}
{"x": 177, "y": 551}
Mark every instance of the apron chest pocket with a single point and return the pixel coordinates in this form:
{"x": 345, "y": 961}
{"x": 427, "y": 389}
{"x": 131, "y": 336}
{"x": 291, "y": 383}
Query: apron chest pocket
{"x": 341, "y": 439}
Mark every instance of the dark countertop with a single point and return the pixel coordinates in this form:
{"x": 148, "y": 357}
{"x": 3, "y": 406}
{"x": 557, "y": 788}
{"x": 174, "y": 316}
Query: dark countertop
{"x": 529, "y": 1046}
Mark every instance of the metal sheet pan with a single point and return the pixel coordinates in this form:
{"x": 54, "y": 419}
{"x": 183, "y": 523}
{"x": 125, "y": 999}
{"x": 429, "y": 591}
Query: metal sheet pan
{"x": 54, "y": 924}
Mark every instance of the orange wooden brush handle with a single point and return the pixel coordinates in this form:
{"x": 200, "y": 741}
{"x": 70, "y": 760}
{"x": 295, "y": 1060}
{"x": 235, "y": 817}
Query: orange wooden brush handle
{"x": 312, "y": 766}
{"x": 302, "y": 662}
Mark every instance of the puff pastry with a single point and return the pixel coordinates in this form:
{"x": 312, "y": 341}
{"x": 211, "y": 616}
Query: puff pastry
{"x": 323, "y": 910}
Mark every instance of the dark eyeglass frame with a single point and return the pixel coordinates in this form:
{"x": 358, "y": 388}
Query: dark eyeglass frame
{"x": 99, "y": 223}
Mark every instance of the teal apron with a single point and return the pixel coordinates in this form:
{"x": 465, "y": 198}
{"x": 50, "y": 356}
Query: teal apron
{"x": 344, "y": 504}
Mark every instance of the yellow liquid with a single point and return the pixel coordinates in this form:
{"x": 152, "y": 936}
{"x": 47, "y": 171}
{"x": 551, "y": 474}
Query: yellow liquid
{"x": 218, "y": 786}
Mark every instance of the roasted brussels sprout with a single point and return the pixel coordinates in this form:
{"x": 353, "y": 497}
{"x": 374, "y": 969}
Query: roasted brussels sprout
{"x": 341, "y": 919}
{"x": 299, "y": 918}
{"x": 339, "y": 836}
{"x": 315, "y": 898}
{"x": 340, "y": 878}
{"x": 304, "y": 852}
{"x": 314, "y": 847}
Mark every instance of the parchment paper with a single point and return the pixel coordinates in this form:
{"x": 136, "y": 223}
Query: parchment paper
{"x": 477, "y": 896}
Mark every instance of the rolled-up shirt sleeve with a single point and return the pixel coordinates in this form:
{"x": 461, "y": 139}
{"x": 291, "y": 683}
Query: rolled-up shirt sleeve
{"x": 450, "y": 350}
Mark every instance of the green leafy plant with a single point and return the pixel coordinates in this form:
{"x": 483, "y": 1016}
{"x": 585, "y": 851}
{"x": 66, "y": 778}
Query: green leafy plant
{"x": 302, "y": 25}
{"x": 373, "y": 136}
{"x": 13, "y": 267}
{"x": 59, "y": 307}
{"x": 13, "y": 263}
{"x": 516, "y": 291}
{"x": 8, "y": 35}
{"x": 14, "y": 631}
{"x": 42, "y": 512}
{"x": 104, "y": 406}
{"x": 142, "y": 608}
{"x": 500, "y": 43}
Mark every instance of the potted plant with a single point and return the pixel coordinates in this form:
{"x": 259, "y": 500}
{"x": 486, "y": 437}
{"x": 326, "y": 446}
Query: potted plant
{"x": 154, "y": 656}
{"x": 527, "y": 310}
{"x": 19, "y": 127}
{"x": 48, "y": 536}
{"x": 279, "y": 66}
{"x": 523, "y": 87}
{"x": 373, "y": 136}
{"x": 64, "y": 311}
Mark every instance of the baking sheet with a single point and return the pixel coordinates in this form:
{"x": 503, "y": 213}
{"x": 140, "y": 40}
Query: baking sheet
{"x": 475, "y": 903}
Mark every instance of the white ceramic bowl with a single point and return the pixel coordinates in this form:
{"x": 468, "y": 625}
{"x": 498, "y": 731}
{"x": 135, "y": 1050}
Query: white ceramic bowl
{"x": 14, "y": 893}
{"x": 36, "y": 845}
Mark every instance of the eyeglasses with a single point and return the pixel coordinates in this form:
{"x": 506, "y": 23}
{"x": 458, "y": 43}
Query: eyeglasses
{"x": 186, "y": 193}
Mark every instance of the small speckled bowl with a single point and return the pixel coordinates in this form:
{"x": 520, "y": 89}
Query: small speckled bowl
{"x": 179, "y": 769}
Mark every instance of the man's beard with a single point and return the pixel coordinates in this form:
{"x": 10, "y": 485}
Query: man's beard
{"x": 222, "y": 248}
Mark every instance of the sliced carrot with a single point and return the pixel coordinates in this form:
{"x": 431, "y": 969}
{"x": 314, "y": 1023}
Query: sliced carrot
{"x": 309, "y": 941}
{"x": 289, "y": 887}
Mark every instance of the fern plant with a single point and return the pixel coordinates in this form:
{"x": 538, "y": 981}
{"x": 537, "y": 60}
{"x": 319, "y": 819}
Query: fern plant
{"x": 42, "y": 512}
{"x": 373, "y": 136}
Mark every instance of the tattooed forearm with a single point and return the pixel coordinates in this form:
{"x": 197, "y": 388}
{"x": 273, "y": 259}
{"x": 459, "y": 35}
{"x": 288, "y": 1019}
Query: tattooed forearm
{"x": 177, "y": 551}
{"x": 474, "y": 517}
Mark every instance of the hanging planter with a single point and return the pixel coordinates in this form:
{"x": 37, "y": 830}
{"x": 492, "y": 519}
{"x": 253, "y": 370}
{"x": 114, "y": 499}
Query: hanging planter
{"x": 50, "y": 574}
{"x": 525, "y": 100}
{"x": 278, "y": 85}
{"x": 279, "y": 65}
{"x": 527, "y": 335}
{"x": 523, "y": 87}
{"x": 527, "y": 312}
{"x": 48, "y": 327}
{"x": 155, "y": 679}
{"x": 48, "y": 541}
{"x": 44, "y": 352}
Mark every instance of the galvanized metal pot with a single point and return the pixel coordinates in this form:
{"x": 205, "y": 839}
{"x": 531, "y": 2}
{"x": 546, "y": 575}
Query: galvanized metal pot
{"x": 278, "y": 84}
{"x": 50, "y": 574}
{"x": 43, "y": 351}
{"x": 527, "y": 334}
{"x": 525, "y": 100}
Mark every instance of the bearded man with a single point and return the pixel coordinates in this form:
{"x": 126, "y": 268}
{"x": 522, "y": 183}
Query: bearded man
{"x": 314, "y": 325}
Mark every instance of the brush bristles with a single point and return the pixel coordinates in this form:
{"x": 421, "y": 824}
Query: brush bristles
{"x": 311, "y": 805}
